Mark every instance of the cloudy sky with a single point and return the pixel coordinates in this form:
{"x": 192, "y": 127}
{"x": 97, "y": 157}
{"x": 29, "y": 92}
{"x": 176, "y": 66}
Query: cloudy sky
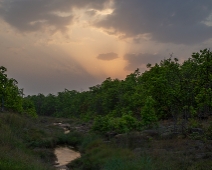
{"x": 50, "y": 45}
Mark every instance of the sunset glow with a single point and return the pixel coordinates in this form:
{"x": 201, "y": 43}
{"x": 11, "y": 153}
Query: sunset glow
{"x": 79, "y": 44}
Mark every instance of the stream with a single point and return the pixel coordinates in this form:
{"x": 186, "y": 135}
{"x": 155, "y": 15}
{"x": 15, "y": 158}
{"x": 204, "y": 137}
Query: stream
{"x": 65, "y": 154}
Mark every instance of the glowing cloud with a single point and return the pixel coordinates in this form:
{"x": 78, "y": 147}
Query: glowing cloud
{"x": 107, "y": 56}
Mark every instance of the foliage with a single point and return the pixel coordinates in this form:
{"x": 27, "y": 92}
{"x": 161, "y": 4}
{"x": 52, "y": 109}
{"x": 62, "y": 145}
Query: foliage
{"x": 101, "y": 124}
{"x": 29, "y": 108}
{"x": 168, "y": 89}
{"x": 148, "y": 114}
{"x": 12, "y": 97}
{"x": 15, "y": 154}
{"x": 123, "y": 124}
{"x": 10, "y": 94}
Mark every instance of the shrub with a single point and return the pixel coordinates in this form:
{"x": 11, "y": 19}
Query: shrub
{"x": 101, "y": 124}
{"x": 123, "y": 124}
{"x": 148, "y": 114}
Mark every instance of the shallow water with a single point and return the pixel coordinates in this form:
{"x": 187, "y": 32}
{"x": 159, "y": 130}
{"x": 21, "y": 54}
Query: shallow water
{"x": 65, "y": 155}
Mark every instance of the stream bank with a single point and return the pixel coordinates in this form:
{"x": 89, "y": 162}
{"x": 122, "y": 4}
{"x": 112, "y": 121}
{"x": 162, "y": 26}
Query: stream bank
{"x": 64, "y": 154}
{"x": 157, "y": 148}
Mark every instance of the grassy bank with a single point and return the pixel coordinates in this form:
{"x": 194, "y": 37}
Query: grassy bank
{"x": 17, "y": 144}
{"x": 140, "y": 151}
{"x": 27, "y": 143}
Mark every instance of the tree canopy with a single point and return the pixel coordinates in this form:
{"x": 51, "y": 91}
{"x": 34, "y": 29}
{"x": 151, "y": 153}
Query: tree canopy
{"x": 12, "y": 97}
{"x": 168, "y": 89}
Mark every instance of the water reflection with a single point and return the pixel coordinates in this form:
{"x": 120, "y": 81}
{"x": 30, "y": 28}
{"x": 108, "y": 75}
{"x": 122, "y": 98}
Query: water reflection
{"x": 65, "y": 155}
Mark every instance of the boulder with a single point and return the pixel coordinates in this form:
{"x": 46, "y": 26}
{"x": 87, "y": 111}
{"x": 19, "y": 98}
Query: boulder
{"x": 197, "y": 130}
{"x": 62, "y": 168}
{"x": 151, "y": 133}
{"x": 168, "y": 135}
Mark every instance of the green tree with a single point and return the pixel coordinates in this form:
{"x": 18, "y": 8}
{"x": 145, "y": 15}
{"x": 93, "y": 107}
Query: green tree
{"x": 148, "y": 115}
{"x": 10, "y": 94}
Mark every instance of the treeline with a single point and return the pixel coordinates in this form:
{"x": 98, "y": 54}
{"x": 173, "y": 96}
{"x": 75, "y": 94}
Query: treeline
{"x": 168, "y": 89}
{"x": 11, "y": 96}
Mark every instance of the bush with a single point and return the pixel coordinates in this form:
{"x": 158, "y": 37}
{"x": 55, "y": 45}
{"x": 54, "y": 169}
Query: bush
{"x": 101, "y": 124}
{"x": 148, "y": 114}
{"x": 123, "y": 124}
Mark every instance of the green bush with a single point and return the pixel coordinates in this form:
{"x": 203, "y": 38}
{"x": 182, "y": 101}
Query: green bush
{"x": 101, "y": 124}
{"x": 72, "y": 139}
{"x": 123, "y": 124}
{"x": 148, "y": 113}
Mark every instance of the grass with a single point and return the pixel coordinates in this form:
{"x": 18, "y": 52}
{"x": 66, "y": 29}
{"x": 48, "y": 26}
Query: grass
{"x": 166, "y": 154}
{"x": 27, "y": 143}
{"x": 16, "y": 144}
{"x": 100, "y": 156}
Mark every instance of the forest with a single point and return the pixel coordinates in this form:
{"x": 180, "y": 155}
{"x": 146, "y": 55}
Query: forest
{"x": 168, "y": 89}
{"x": 155, "y": 113}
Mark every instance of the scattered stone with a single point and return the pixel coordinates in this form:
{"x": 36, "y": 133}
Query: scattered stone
{"x": 57, "y": 123}
{"x": 197, "y": 130}
{"x": 167, "y": 135}
{"x": 107, "y": 141}
{"x": 65, "y": 125}
{"x": 62, "y": 168}
{"x": 200, "y": 156}
{"x": 110, "y": 134}
{"x": 209, "y": 147}
{"x": 151, "y": 133}
{"x": 119, "y": 136}
{"x": 199, "y": 145}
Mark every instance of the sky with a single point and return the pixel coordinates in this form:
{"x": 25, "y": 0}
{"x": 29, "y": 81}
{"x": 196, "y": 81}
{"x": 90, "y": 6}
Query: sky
{"x": 50, "y": 45}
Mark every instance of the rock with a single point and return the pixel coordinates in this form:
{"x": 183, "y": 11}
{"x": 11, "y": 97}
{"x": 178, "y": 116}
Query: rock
{"x": 62, "y": 168}
{"x": 57, "y": 123}
{"x": 151, "y": 133}
{"x": 168, "y": 135}
{"x": 107, "y": 141}
{"x": 200, "y": 156}
{"x": 119, "y": 136}
{"x": 110, "y": 135}
{"x": 197, "y": 130}
{"x": 65, "y": 125}
{"x": 209, "y": 147}
{"x": 199, "y": 145}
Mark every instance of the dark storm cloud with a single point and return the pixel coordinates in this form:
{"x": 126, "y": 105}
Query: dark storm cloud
{"x": 107, "y": 56}
{"x": 169, "y": 21}
{"x": 32, "y": 15}
{"x": 137, "y": 60}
